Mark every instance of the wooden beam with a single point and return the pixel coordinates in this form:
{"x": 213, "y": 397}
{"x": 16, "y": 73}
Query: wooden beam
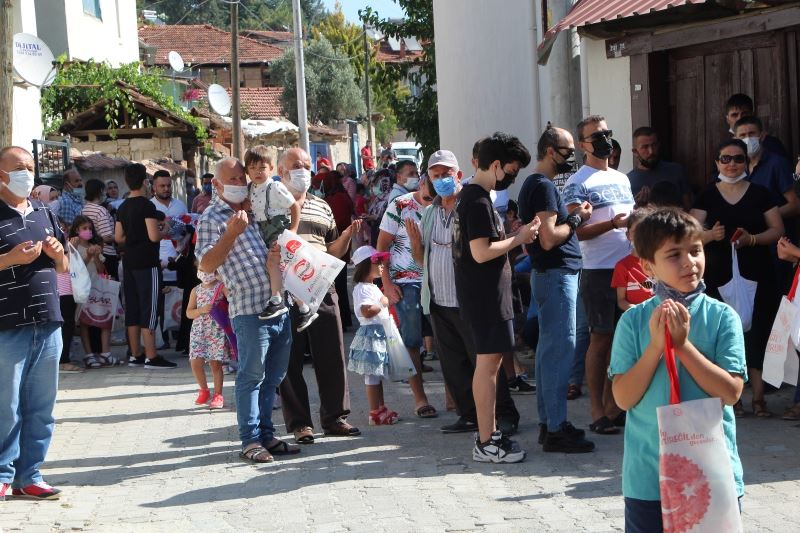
{"x": 704, "y": 32}
{"x": 6, "y": 71}
{"x": 129, "y": 132}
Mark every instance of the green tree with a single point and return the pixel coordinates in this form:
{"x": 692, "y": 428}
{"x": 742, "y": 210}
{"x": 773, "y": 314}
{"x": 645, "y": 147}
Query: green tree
{"x": 345, "y": 37}
{"x": 253, "y": 14}
{"x": 417, "y": 113}
{"x": 331, "y": 92}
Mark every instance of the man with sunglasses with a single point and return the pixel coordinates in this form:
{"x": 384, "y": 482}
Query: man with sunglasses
{"x": 556, "y": 259}
{"x": 603, "y": 242}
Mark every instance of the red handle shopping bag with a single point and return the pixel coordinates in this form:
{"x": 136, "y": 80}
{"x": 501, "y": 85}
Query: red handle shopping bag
{"x": 696, "y": 482}
{"x": 780, "y": 358}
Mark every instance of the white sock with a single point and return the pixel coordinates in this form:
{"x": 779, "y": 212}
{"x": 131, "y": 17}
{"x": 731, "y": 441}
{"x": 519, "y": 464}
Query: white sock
{"x": 276, "y": 299}
{"x": 303, "y": 308}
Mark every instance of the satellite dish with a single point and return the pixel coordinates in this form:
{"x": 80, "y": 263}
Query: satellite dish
{"x": 33, "y": 60}
{"x": 175, "y": 61}
{"x": 218, "y": 99}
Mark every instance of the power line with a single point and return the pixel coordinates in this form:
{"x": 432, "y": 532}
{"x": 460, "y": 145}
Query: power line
{"x": 193, "y": 7}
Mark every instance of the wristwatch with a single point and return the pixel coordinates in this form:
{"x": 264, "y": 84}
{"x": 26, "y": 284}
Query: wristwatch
{"x": 574, "y": 220}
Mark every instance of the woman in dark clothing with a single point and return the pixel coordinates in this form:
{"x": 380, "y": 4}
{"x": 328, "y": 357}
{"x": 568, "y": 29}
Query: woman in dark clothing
{"x": 342, "y": 208}
{"x": 735, "y": 207}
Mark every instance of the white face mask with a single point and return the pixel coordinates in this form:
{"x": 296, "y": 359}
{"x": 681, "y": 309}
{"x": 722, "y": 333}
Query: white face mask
{"x": 300, "y": 179}
{"x": 235, "y": 194}
{"x": 753, "y": 145}
{"x": 20, "y": 183}
{"x": 737, "y": 179}
{"x": 412, "y": 184}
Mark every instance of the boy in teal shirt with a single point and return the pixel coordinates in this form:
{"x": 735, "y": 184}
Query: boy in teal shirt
{"x": 709, "y": 349}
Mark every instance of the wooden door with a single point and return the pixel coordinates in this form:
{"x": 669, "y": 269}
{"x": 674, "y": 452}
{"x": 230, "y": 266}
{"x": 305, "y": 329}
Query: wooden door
{"x": 701, "y": 78}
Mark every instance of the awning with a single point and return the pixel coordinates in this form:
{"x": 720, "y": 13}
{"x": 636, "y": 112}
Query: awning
{"x": 586, "y": 12}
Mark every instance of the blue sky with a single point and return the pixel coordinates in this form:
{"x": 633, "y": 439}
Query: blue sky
{"x": 386, "y": 8}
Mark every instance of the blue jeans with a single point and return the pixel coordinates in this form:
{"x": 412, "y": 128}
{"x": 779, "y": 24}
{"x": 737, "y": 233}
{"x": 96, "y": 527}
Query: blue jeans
{"x": 264, "y": 347}
{"x": 409, "y": 311}
{"x": 555, "y": 291}
{"x": 581, "y": 344}
{"x": 28, "y": 385}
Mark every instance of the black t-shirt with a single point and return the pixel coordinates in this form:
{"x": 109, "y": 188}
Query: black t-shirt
{"x": 755, "y": 262}
{"x": 140, "y": 251}
{"x": 663, "y": 171}
{"x": 28, "y": 293}
{"x": 483, "y": 289}
{"x": 539, "y": 194}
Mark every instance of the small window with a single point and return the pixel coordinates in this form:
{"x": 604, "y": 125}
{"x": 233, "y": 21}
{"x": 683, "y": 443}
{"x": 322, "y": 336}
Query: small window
{"x": 92, "y": 7}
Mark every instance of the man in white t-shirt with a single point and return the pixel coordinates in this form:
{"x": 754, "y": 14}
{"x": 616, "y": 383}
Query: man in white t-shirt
{"x": 603, "y": 242}
{"x": 162, "y": 196}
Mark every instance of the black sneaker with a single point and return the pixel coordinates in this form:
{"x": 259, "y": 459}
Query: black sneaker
{"x": 273, "y": 310}
{"x": 137, "y": 361}
{"x": 462, "y": 425}
{"x": 567, "y": 440}
{"x": 498, "y": 449}
{"x": 520, "y": 386}
{"x": 566, "y": 426}
{"x": 159, "y": 363}
{"x": 305, "y": 320}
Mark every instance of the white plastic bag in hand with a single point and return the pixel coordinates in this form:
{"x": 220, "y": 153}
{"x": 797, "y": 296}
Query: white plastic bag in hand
{"x": 308, "y": 273}
{"x": 78, "y": 276}
{"x": 739, "y": 293}
{"x": 400, "y": 365}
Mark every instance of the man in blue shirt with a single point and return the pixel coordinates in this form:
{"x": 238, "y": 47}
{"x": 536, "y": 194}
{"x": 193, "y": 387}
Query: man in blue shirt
{"x": 556, "y": 258}
{"x": 31, "y": 252}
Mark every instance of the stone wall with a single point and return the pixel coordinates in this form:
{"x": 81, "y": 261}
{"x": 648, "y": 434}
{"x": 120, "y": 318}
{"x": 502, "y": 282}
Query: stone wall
{"x": 135, "y": 149}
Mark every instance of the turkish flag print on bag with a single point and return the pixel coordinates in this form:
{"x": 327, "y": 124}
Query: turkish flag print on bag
{"x": 698, "y": 491}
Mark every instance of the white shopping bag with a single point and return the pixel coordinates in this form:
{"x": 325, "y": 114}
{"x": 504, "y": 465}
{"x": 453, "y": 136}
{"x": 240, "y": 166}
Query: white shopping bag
{"x": 780, "y": 358}
{"x": 400, "y": 364}
{"x": 102, "y": 304}
{"x": 78, "y": 276}
{"x": 173, "y": 303}
{"x": 739, "y": 293}
{"x": 696, "y": 480}
{"x": 308, "y": 273}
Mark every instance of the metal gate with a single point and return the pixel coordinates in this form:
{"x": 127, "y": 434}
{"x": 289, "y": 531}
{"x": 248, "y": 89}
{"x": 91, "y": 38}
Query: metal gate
{"x": 51, "y": 159}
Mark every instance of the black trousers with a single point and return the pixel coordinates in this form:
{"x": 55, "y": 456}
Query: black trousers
{"x": 326, "y": 343}
{"x": 68, "y": 307}
{"x": 344, "y": 298}
{"x": 456, "y": 349}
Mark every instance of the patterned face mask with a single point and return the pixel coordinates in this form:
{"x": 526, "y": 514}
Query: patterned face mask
{"x": 665, "y": 292}
{"x": 206, "y": 277}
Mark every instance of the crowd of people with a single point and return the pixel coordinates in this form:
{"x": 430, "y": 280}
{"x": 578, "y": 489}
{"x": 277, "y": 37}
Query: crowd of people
{"x": 589, "y": 267}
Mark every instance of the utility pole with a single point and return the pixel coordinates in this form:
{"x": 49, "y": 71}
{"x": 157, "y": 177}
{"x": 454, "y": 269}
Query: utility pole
{"x": 300, "y": 76}
{"x": 6, "y": 71}
{"x": 237, "y": 119}
{"x": 366, "y": 91}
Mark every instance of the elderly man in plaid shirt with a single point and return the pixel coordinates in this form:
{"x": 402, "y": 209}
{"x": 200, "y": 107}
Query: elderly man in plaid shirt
{"x": 228, "y": 243}
{"x": 72, "y": 198}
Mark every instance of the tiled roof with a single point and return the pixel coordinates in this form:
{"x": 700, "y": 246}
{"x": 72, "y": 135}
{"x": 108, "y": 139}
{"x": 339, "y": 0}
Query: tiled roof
{"x": 385, "y": 54}
{"x": 203, "y": 43}
{"x": 259, "y": 103}
{"x": 269, "y": 35}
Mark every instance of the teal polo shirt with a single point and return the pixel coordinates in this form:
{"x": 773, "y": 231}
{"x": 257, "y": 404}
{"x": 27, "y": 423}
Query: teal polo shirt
{"x": 716, "y": 331}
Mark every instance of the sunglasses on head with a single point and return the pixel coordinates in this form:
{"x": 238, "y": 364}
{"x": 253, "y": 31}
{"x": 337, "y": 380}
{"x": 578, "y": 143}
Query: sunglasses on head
{"x": 738, "y": 158}
{"x": 379, "y": 257}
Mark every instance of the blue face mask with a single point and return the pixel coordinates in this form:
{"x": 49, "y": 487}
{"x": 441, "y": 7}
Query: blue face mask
{"x": 207, "y": 188}
{"x": 445, "y": 186}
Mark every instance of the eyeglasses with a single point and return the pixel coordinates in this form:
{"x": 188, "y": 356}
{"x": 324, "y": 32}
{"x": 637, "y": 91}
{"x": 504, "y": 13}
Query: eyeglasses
{"x": 596, "y": 135}
{"x": 738, "y": 159}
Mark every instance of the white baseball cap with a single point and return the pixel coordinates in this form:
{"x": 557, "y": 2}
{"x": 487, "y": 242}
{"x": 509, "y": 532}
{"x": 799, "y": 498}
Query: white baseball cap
{"x": 443, "y": 157}
{"x": 362, "y": 253}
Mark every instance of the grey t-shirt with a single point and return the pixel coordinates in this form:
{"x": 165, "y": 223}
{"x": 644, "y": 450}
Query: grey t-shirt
{"x": 663, "y": 171}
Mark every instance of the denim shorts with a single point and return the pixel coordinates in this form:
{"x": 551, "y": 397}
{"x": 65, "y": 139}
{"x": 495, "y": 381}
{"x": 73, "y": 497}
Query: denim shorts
{"x": 409, "y": 311}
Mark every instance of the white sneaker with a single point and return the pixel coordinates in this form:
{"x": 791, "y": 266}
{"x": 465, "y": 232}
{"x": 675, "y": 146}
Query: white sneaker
{"x": 498, "y": 449}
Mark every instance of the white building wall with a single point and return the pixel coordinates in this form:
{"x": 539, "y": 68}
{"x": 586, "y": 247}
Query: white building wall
{"x": 485, "y": 72}
{"x": 113, "y": 37}
{"x": 27, "y": 116}
{"x": 610, "y": 95}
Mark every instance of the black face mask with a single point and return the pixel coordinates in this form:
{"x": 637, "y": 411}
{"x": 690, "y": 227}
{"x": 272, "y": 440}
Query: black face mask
{"x": 568, "y": 165}
{"x": 602, "y": 147}
{"x": 506, "y": 182}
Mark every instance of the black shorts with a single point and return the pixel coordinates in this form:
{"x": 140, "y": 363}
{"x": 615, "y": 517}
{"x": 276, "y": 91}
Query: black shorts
{"x": 599, "y": 299}
{"x": 493, "y": 338}
{"x": 142, "y": 288}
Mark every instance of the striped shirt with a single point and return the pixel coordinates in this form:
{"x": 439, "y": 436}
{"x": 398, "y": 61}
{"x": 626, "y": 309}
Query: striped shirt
{"x": 440, "y": 260}
{"x": 317, "y": 225}
{"x": 103, "y": 225}
{"x": 244, "y": 270}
